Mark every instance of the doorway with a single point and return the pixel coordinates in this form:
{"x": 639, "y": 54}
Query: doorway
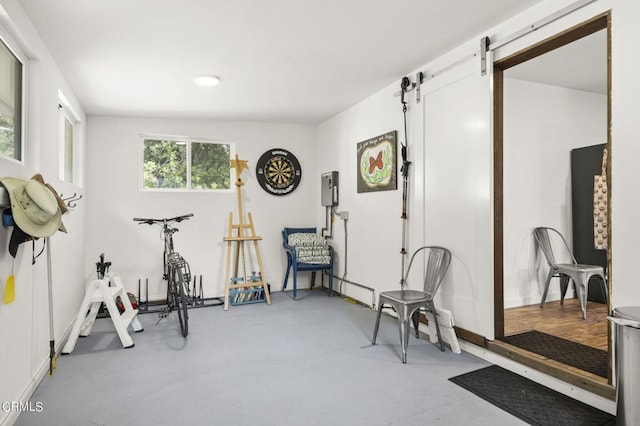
{"x": 536, "y": 162}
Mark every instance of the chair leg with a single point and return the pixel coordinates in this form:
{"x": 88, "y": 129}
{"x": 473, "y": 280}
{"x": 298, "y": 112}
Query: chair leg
{"x": 581, "y": 290}
{"x": 375, "y": 328}
{"x": 415, "y": 318}
{"x": 286, "y": 274}
{"x": 604, "y": 289}
{"x": 546, "y": 287}
{"x": 404, "y": 336}
{"x": 295, "y": 281}
{"x": 432, "y": 307}
{"x": 564, "y": 285}
{"x": 583, "y": 295}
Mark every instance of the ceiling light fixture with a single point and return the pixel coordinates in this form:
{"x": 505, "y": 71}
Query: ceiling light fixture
{"x": 207, "y": 80}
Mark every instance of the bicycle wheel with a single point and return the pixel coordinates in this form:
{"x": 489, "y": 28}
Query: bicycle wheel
{"x": 181, "y": 302}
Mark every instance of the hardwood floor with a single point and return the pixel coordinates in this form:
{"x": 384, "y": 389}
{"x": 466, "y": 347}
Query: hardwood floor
{"x": 563, "y": 321}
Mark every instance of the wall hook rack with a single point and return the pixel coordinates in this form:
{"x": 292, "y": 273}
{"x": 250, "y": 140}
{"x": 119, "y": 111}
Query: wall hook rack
{"x": 71, "y": 201}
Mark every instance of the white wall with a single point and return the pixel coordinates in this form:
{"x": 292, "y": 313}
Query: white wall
{"x": 114, "y": 199}
{"x": 376, "y": 263}
{"x": 625, "y": 154}
{"x": 542, "y": 124}
{"x": 24, "y": 324}
{"x": 374, "y": 223}
{"x": 374, "y": 226}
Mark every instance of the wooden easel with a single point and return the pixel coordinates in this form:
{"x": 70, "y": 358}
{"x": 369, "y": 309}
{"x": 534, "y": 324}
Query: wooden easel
{"x": 236, "y": 234}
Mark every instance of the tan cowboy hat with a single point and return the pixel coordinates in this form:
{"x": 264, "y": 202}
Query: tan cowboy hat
{"x": 61, "y": 204}
{"x": 33, "y": 206}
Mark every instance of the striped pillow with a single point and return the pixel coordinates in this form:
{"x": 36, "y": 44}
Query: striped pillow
{"x": 310, "y": 248}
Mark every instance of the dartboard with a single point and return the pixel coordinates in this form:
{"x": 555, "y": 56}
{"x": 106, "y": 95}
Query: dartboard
{"x": 278, "y": 171}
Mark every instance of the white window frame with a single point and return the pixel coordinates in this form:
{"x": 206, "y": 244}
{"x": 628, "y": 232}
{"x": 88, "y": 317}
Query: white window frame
{"x": 188, "y": 141}
{"x": 10, "y": 44}
{"x": 67, "y": 113}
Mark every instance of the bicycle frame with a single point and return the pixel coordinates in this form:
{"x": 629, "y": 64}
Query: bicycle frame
{"x": 176, "y": 272}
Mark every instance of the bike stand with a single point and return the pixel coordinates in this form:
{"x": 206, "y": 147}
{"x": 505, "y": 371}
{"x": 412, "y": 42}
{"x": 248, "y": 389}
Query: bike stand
{"x": 99, "y": 291}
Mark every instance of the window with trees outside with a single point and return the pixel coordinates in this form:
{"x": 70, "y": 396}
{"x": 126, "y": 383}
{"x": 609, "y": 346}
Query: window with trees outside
{"x": 10, "y": 103}
{"x": 186, "y": 164}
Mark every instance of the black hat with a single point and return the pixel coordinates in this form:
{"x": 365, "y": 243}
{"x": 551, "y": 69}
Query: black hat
{"x": 18, "y": 237}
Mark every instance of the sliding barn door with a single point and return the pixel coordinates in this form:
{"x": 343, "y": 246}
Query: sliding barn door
{"x": 458, "y": 198}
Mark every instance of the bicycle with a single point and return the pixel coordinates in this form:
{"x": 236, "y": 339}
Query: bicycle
{"x": 176, "y": 271}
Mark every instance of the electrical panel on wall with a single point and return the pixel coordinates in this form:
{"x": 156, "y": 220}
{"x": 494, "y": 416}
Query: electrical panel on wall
{"x": 329, "y": 189}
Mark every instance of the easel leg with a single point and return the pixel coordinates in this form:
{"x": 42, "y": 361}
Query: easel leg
{"x": 267, "y": 296}
{"x": 227, "y": 281}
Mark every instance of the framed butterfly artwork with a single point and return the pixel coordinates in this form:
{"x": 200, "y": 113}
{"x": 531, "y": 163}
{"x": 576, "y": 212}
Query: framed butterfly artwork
{"x": 377, "y": 163}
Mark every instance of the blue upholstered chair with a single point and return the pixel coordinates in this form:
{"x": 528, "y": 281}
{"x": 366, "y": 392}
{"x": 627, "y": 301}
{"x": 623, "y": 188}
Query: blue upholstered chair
{"x": 297, "y": 264}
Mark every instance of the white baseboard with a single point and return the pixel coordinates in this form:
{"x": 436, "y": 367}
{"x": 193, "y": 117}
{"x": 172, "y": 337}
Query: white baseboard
{"x": 40, "y": 373}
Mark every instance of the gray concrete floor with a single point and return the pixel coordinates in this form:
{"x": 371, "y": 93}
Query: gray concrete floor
{"x": 305, "y": 362}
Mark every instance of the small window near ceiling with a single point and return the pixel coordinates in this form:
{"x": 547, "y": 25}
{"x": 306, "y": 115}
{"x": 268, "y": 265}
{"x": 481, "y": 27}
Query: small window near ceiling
{"x": 10, "y": 103}
{"x": 68, "y": 150}
{"x": 70, "y": 130}
{"x": 185, "y": 164}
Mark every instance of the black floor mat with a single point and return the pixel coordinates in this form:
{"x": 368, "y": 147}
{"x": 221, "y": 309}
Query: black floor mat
{"x": 530, "y": 401}
{"x": 567, "y": 352}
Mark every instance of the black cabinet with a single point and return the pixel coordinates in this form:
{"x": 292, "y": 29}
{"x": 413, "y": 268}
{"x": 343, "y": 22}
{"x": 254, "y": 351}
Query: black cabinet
{"x": 586, "y": 162}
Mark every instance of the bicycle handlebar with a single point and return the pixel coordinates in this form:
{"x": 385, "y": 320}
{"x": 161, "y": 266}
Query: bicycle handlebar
{"x": 151, "y": 221}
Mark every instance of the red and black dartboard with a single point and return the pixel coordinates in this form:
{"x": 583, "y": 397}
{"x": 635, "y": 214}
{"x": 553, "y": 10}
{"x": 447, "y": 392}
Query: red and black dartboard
{"x": 278, "y": 171}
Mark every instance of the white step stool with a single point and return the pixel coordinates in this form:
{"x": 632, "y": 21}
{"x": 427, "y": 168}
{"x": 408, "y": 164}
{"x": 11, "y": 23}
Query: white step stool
{"x": 445, "y": 321}
{"x": 97, "y": 292}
